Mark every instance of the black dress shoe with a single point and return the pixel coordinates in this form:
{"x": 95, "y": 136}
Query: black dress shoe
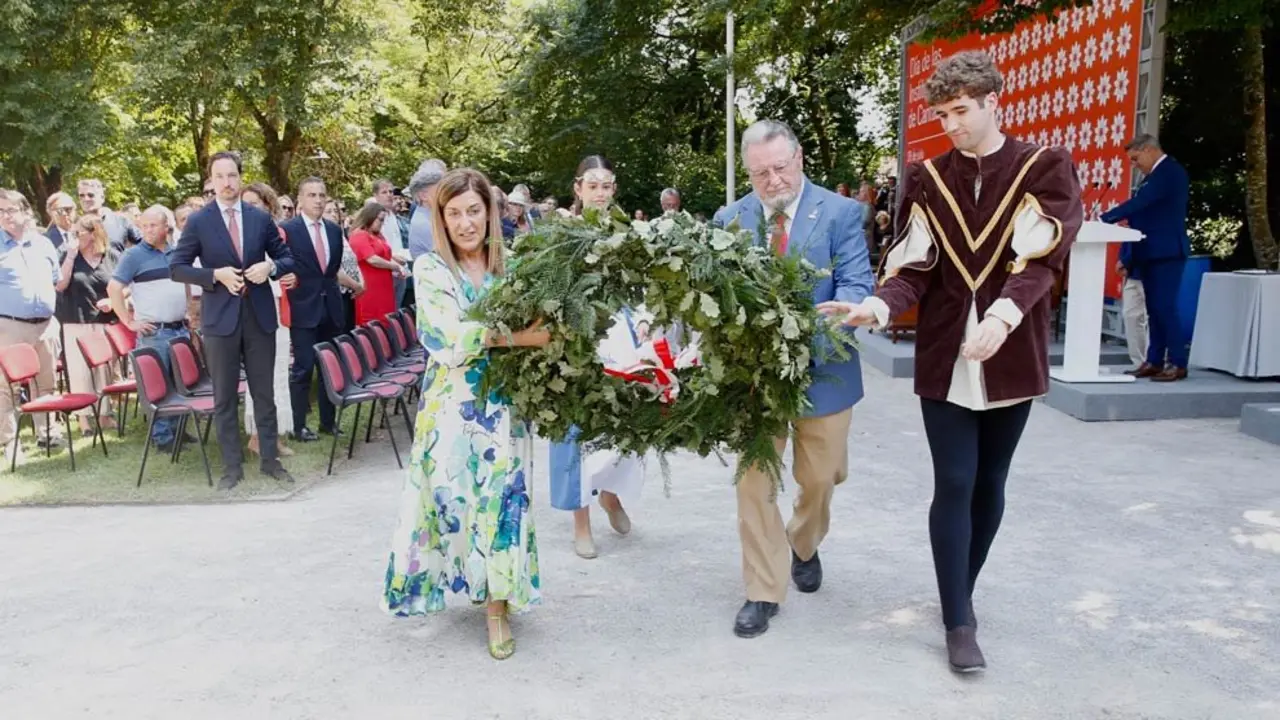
{"x": 305, "y": 435}
{"x": 332, "y": 431}
{"x": 807, "y": 574}
{"x": 229, "y": 481}
{"x": 279, "y": 473}
{"x": 963, "y": 652}
{"x": 753, "y": 618}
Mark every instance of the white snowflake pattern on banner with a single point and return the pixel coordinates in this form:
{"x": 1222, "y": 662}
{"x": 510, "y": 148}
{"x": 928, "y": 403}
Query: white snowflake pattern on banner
{"x": 999, "y": 53}
{"x": 1059, "y": 99}
{"x": 1011, "y": 81}
{"x": 1125, "y": 5}
{"x": 1091, "y": 15}
{"x": 1033, "y": 73}
{"x": 1033, "y": 109}
{"x": 1115, "y": 172}
{"x": 1037, "y": 36}
{"x": 1084, "y": 171}
{"x": 1070, "y": 141}
{"x": 1073, "y": 98}
{"x": 1075, "y": 58}
{"x": 1086, "y": 135}
{"x": 1057, "y": 136}
{"x": 1108, "y": 45}
{"x": 1119, "y": 129}
{"x": 1063, "y": 26}
{"x": 1077, "y": 19}
{"x": 1046, "y": 68}
{"x": 1019, "y": 113}
{"x": 1108, "y": 8}
{"x": 1024, "y": 39}
{"x": 1060, "y": 63}
{"x": 1090, "y": 51}
{"x": 1122, "y": 85}
{"x": 1086, "y": 97}
{"x": 1044, "y": 136}
{"x": 1125, "y": 41}
{"x": 1104, "y": 89}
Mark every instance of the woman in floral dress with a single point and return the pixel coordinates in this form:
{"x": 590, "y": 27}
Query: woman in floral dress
{"x": 464, "y": 523}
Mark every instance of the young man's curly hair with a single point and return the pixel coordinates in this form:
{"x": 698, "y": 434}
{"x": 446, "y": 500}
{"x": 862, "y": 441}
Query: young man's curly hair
{"x": 971, "y": 73}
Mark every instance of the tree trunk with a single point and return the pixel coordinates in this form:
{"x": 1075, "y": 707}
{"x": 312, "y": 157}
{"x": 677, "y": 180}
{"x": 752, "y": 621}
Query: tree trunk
{"x": 1255, "y": 149}
{"x": 280, "y": 149}
{"x": 201, "y": 124}
{"x": 37, "y": 184}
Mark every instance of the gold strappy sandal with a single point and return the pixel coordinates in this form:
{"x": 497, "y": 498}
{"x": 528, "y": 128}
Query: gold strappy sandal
{"x": 502, "y": 649}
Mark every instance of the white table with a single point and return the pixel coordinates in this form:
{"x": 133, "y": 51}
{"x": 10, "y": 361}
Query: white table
{"x": 1238, "y": 324}
{"x": 1086, "y": 281}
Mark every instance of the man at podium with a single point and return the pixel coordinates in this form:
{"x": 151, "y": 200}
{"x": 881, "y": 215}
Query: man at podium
{"x": 1158, "y": 209}
{"x": 984, "y": 230}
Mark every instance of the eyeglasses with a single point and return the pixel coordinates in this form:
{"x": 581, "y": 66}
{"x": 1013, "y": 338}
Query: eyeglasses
{"x": 10, "y": 212}
{"x": 762, "y": 175}
{"x": 87, "y": 195}
{"x": 65, "y": 210}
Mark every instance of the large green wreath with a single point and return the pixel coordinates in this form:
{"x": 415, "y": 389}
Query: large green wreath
{"x": 753, "y": 311}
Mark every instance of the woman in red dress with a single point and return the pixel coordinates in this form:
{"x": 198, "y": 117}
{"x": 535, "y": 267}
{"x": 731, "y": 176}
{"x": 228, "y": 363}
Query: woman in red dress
{"x": 377, "y": 265}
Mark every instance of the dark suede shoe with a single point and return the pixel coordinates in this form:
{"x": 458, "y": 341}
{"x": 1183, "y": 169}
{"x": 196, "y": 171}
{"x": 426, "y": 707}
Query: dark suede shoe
{"x": 963, "y": 652}
{"x": 753, "y": 618}
{"x": 229, "y": 480}
{"x": 807, "y": 574}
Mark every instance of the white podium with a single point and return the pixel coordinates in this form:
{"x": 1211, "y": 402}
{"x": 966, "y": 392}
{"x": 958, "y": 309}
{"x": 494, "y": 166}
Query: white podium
{"x": 1086, "y": 281}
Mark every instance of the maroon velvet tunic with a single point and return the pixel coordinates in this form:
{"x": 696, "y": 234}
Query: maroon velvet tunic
{"x": 972, "y": 260}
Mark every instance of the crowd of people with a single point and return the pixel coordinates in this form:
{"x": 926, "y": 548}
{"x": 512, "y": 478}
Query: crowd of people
{"x": 259, "y": 263}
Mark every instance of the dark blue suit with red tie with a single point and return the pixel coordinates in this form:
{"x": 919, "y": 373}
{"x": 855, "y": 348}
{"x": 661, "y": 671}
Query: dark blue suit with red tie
{"x": 316, "y": 311}
{"x": 237, "y": 328}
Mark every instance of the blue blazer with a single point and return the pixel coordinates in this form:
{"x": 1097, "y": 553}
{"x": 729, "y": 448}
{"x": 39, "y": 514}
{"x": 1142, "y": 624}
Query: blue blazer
{"x": 828, "y": 231}
{"x": 1158, "y": 209}
{"x": 317, "y": 293}
{"x": 205, "y": 238}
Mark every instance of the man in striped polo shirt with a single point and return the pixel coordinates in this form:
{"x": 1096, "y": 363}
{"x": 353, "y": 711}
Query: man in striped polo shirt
{"x": 159, "y": 308}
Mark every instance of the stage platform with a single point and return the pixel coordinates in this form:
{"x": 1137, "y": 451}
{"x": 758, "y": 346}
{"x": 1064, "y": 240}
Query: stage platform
{"x": 1203, "y": 394}
{"x": 1262, "y": 421}
{"x": 898, "y": 359}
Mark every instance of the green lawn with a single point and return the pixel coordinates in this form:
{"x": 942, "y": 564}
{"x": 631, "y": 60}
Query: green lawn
{"x": 97, "y": 479}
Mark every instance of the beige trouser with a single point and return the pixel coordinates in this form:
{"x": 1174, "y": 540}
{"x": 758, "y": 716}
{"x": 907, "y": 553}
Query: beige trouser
{"x": 1133, "y": 307}
{"x": 44, "y": 337}
{"x": 821, "y": 463}
{"x": 80, "y": 377}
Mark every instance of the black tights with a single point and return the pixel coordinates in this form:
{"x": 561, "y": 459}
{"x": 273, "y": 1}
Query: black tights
{"x": 971, "y": 452}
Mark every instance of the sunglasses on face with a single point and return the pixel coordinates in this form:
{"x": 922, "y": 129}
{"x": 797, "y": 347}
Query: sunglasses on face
{"x": 65, "y": 210}
{"x": 87, "y": 195}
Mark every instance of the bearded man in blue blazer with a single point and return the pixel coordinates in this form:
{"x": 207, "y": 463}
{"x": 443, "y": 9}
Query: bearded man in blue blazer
{"x": 801, "y": 219}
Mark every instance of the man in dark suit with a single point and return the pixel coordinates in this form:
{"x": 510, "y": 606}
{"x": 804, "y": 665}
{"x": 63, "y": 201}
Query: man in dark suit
{"x": 316, "y": 307}
{"x": 1158, "y": 209}
{"x": 239, "y": 249}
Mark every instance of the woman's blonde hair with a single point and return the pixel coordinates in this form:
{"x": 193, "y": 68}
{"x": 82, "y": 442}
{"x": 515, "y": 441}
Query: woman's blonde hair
{"x": 90, "y": 227}
{"x": 455, "y": 183}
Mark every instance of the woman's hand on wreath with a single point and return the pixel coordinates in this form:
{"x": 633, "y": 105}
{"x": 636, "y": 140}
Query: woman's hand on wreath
{"x": 855, "y": 314}
{"x": 532, "y": 336}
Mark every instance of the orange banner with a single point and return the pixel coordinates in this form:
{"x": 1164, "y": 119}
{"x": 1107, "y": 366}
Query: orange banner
{"x": 1069, "y": 81}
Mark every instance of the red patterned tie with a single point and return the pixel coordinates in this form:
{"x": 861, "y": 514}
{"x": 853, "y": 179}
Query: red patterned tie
{"x": 233, "y": 229}
{"x": 778, "y": 236}
{"x": 320, "y": 249}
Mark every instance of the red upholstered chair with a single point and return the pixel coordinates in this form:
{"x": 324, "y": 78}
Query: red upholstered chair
{"x": 190, "y": 375}
{"x": 20, "y": 365}
{"x": 404, "y": 319}
{"x": 123, "y": 341}
{"x": 377, "y": 367}
{"x": 400, "y": 339}
{"x": 343, "y": 385}
{"x": 161, "y": 399}
{"x": 97, "y": 352}
{"x": 389, "y": 353}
